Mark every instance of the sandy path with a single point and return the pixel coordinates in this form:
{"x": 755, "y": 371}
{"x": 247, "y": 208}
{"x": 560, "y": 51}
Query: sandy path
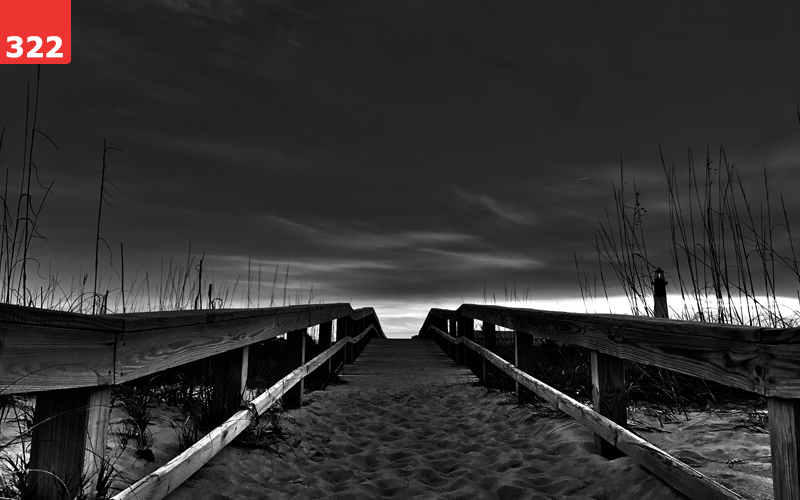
{"x": 433, "y": 441}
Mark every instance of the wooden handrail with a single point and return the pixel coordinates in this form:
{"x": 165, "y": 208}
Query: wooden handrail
{"x": 765, "y": 361}
{"x": 44, "y": 350}
{"x": 71, "y": 361}
{"x": 761, "y": 360}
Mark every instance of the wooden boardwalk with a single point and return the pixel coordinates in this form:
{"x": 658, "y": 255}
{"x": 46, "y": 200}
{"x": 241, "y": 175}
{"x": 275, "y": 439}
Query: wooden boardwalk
{"x": 393, "y": 365}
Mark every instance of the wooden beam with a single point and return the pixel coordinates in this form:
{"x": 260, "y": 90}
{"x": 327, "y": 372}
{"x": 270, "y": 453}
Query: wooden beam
{"x": 347, "y": 326}
{"x": 339, "y": 359}
{"x": 730, "y": 355}
{"x": 523, "y": 359}
{"x": 491, "y": 378}
{"x": 146, "y": 352}
{"x": 295, "y": 356}
{"x": 228, "y": 383}
{"x": 680, "y": 476}
{"x": 784, "y": 437}
{"x": 97, "y": 421}
{"x": 325, "y": 332}
{"x": 68, "y": 441}
{"x": 610, "y": 398}
{"x": 458, "y": 353}
{"x": 34, "y": 358}
{"x": 49, "y": 350}
{"x": 466, "y": 329}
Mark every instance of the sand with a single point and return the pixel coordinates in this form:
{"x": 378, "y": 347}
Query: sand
{"x": 450, "y": 441}
{"x": 424, "y": 442}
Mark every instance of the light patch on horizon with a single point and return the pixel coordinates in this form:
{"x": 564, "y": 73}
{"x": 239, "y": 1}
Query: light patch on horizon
{"x": 507, "y": 212}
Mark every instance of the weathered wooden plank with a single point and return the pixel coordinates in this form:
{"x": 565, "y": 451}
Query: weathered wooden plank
{"x": 609, "y": 397}
{"x": 161, "y": 482}
{"x": 34, "y": 358}
{"x": 10, "y": 314}
{"x": 512, "y": 317}
{"x": 523, "y": 359}
{"x": 324, "y": 342}
{"x": 680, "y": 476}
{"x": 228, "y": 383}
{"x": 137, "y": 322}
{"x": 685, "y": 347}
{"x": 295, "y": 356}
{"x": 345, "y": 328}
{"x": 466, "y": 329}
{"x": 97, "y": 422}
{"x": 784, "y": 437}
{"x": 490, "y": 376}
{"x": 58, "y": 444}
{"x": 458, "y": 352}
{"x": 151, "y": 351}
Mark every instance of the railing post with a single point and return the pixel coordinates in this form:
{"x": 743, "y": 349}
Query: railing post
{"x": 361, "y": 326}
{"x": 346, "y": 326}
{"x": 441, "y": 324}
{"x": 325, "y": 331}
{"x": 68, "y": 441}
{"x": 490, "y": 378}
{"x": 523, "y": 359}
{"x": 458, "y": 354}
{"x": 609, "y": 397}
{"x": 228, "y": 383}
{"x": 784, "y": 439}
{"x": 466, "y": 328}
{"x": 338, "y": 359}
{"x": 295, "y": 357}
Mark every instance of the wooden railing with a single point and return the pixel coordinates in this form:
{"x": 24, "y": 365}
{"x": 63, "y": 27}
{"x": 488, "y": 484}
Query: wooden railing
{"x": 765, "y": 361}
{"x": 71, "y": 361}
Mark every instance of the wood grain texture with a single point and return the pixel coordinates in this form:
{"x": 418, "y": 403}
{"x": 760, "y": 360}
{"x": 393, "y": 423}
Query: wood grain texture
{"x": 97, "y": 422}
{"x": 137, "y": 322}
{"x": 295, "y": 357}
{"x": 228, "y": 383}
{"x": 150, "y": 351}
{"x": 731, "y": 355}
{"x": 34, "y": 358}
{"x": 680, "y": 476}
{"x": 30, "y": 316}
{"x": 58, "y": 451}
{"x": 784, "y": 436}
{"x": 324, "y": 342}
{"x": 609, "y": 397}
{"x": 490, "y": 375}
{"x": 49, "y": 350}
{"x": 161, "y": 482}
{"x": 524, "y": 360}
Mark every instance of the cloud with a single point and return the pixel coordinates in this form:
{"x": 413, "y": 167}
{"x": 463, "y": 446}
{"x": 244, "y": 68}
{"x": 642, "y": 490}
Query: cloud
{"x": 508, "y": 212}
{"x": 488, "y": 260}
{"x": 337, "y": 234}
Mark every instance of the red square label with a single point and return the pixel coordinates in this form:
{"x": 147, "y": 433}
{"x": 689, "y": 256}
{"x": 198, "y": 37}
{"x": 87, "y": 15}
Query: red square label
{"x": 35, "y": 32}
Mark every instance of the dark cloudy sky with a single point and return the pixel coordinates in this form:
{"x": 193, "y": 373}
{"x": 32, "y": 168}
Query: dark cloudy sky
{"x": 395, "y": 154}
